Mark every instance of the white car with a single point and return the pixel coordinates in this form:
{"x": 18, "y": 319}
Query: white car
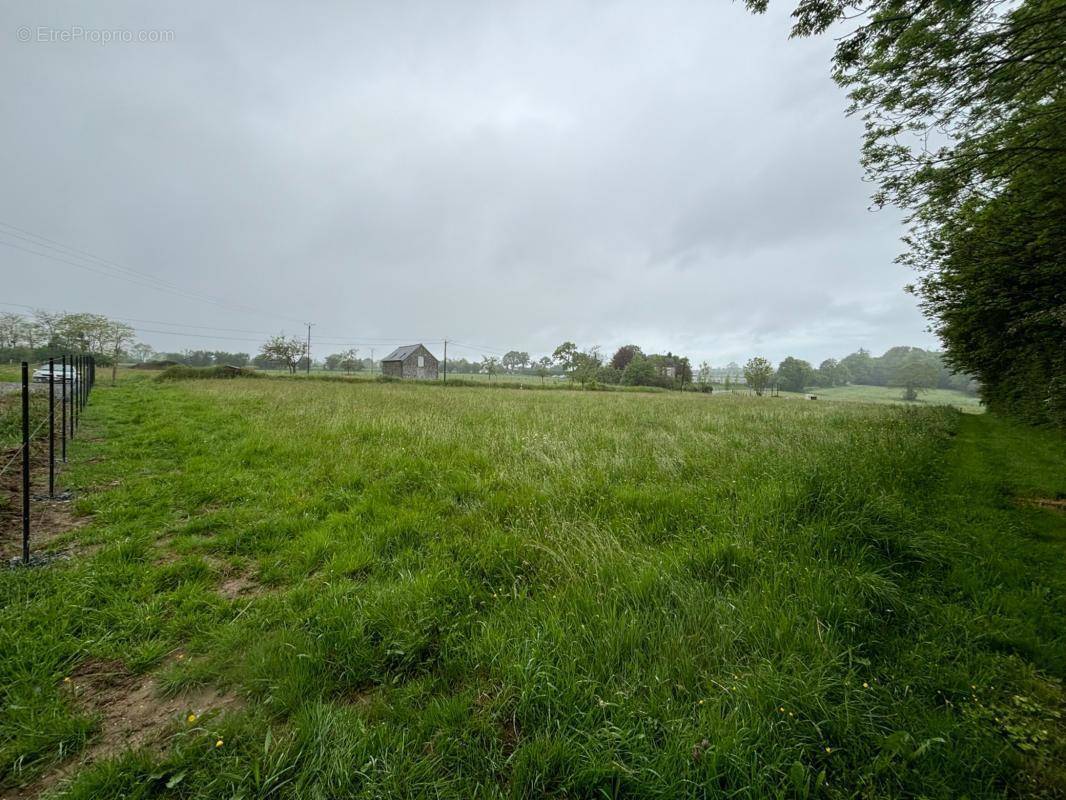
{"x": 41, "y": 375}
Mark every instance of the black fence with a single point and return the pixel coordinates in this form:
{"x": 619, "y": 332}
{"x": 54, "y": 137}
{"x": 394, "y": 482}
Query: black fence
{"x": 70, "y": 381}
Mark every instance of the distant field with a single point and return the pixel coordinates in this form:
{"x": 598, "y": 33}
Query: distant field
{"x": 890, "y": 394}
{"x": 498, "y": 378}
{"x": 337, "y": 589}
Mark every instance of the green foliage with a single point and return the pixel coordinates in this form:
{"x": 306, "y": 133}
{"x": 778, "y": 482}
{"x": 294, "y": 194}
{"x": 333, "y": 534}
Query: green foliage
{"x": 914, "y": 375}
{"x": 281, "y": 350}
{"x": 585, "y": 366}
{"x": 757, "y": 373}
{"x": 623, "y": 355}
{"x": 832, "y": 373}
{"x": 565, "y": 356}
{"x": 608, "y": 374}
{"x": 864, "y": 369}
{"x": 515, "y": 360}
{"x": 859, "y": 366}
{"x": 794, "y": 374}
{"x": 997, "y": 293}
{"x": 490, "y": 365}
{"x": 965, "y": 119}
{"x": 47, "y": 333}
{"x": 180, "y": 372}
{"x": 348, "y": 361}
{"x": 640, "y": 372}
{"x": 207, "y": 358}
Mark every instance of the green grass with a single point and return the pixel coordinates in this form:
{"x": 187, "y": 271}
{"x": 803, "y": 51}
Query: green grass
{"x": 572, "y": 594}
{"x": 459, "y": 377}
{"x": 894, "y": 395}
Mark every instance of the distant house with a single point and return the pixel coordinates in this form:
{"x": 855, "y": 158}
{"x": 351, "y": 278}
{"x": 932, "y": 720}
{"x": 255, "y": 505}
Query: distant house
{"x": 410, "y": 361}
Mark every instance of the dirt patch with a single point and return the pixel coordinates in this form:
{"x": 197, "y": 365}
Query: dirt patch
{"x": 50, "y": 518}
{"x": 510, "y": 736}
{"x": 361, "y": 698}
{"x": 240, "y": 585}
{"x": 237, "y": 580}
{"x": 1051, "y": 503}
{"x": 132, "y": 715}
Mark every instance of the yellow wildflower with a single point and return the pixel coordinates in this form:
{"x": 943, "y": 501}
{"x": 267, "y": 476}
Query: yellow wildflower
{"x": 191, "y": 718}
{"x": 829, "y": 749}
{"x": 218, "y": 743}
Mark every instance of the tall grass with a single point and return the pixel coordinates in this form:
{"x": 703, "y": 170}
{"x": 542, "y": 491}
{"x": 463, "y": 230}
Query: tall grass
{"x": 481, "y": 594}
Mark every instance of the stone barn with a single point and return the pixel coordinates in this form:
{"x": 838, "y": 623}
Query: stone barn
{"x": 411, "y": 361}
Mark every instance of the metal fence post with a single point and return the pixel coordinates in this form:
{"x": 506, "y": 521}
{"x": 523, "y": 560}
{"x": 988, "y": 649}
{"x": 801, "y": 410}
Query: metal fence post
{"x": 63, "y": 411}
{"x": 73, "y": 396}
{"x": 25, "y": 463}
{"x": 51, "y": 427}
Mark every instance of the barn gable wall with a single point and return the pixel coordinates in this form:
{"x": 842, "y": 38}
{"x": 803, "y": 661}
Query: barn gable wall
{"x": 408, "y": 368}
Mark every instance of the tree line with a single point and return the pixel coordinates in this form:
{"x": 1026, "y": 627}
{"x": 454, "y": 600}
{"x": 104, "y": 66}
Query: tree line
{"x": 910, "y": 368}
{"x": 44, "y": 333}
{"x": 913, "y": 369}
{"x": 964, "y": 113}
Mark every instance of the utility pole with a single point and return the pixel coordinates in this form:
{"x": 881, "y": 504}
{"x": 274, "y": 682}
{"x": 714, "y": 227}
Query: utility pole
{"x": 308, "y": 350}
{"x": 445, "y": 360}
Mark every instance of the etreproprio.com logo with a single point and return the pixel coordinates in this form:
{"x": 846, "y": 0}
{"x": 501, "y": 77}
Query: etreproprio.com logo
{"x": 77, "y": 33}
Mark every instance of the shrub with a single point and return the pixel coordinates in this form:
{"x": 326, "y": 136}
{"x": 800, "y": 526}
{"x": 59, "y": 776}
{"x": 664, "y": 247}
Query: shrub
{"x": 179, "y": 372}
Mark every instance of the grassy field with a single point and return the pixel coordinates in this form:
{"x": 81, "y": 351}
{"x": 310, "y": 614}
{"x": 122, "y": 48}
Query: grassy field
{"x": 851, "y": 393}
{"x": 413, "y": 591}
{"x": 891, "y": 394}
{"x": 477, "y": 377}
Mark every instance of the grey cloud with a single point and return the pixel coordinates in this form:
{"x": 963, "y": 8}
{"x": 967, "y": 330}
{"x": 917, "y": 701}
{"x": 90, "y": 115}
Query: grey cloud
{"x": 678, "y": 174}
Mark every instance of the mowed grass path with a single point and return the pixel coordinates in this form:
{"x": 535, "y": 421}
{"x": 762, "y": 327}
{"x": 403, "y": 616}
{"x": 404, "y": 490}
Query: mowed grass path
{"x": 469, "y": 593}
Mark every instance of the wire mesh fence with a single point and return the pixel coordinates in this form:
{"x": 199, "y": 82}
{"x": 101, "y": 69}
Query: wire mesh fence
{"x": 47, "y": 425}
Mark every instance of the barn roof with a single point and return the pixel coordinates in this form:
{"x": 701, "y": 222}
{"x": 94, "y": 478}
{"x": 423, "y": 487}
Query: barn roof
{"x": 400, "y": 353}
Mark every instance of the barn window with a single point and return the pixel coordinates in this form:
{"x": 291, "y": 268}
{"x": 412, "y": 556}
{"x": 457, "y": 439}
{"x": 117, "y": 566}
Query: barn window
{"x": 421, "y": 361}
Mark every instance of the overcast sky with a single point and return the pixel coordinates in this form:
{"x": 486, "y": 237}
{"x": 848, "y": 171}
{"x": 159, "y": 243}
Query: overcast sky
{"x": 509, "y": 174}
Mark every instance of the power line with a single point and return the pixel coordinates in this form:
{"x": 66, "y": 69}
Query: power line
{"x": 117, "y": 271}
{"x": 346, "y": 343}
{"x": 149, "y": 321}
{"x": 354, "y": 340}
{"x": 112, "y": 269}
{"x": 143, "y": 283}
{"x": 332, "y": 342}
{"x": 477, "y": 347}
